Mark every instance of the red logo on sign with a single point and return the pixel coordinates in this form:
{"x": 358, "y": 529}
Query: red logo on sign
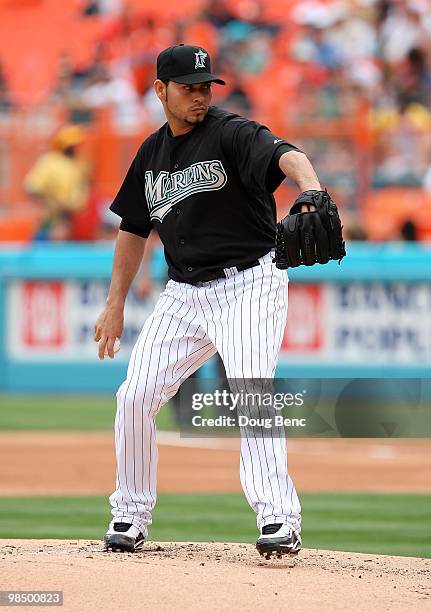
{"x": 43, "y": 308}
{"x": 304, "y": 330}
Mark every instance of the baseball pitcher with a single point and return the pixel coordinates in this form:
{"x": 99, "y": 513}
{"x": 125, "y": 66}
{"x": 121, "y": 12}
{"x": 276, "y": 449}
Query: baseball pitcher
{"x": 205, "y": 182}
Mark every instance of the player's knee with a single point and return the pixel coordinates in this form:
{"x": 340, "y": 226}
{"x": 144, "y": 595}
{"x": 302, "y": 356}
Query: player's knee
{"x": 148, "y": 399}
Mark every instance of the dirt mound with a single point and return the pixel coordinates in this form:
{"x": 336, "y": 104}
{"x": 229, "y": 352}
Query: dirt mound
{"x": 213, "y": 576}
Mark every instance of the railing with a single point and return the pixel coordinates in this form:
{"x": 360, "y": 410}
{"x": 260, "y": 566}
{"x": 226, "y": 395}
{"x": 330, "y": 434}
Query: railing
{"x": 26, "y": 135}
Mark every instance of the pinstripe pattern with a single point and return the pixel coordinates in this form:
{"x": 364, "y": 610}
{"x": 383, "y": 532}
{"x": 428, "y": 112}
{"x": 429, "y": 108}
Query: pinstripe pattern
{"x": 243, "y": 318}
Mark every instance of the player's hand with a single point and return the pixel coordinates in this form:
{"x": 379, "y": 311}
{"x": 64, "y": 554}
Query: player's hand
{"x": 307, "y": 208}
{"x": 305, "y": 239}
{"x": 108, "y": 327}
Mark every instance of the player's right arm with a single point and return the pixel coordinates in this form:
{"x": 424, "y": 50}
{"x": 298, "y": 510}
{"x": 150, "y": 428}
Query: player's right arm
{"x": 144, "y": 283}
{"x": 136, "y": 225}
{"x": 129, "y": 251}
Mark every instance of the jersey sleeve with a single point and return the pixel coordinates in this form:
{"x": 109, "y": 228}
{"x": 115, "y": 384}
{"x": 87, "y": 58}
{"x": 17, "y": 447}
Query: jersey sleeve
{"x": 130, "y": 203}
{"x": 255, "y": 151}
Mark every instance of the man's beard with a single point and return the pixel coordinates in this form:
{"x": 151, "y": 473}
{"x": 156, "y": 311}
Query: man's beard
{"x": 189, "y": 119}
{"x": 195, "y": 120}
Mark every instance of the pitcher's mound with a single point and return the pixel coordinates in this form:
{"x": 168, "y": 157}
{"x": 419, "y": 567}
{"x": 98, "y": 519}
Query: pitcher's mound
{"x": 213, "y": 576}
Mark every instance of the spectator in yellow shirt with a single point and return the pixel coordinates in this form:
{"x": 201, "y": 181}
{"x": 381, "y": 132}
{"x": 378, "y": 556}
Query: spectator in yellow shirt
{"x": 59, "y": 182}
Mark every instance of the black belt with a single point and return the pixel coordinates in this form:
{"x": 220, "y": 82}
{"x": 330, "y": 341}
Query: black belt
{"x": 220, "y": 272}
{"x": 246, "y": 266}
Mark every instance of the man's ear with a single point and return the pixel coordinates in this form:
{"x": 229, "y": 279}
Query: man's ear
{"x": 160, "y": 89}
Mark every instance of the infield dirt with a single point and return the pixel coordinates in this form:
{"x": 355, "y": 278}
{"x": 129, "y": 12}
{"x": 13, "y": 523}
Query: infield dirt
{"x": 214, "y": 577}
{"x": 210, "y": 576}
{"x": 82, "y": 463}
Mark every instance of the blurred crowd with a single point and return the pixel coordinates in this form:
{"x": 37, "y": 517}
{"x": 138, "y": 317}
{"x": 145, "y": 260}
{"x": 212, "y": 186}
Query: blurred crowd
{"x": 319, "y": 61}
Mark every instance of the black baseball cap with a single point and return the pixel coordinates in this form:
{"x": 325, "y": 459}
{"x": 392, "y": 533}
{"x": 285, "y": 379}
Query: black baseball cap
{"x": 186, "y": 64}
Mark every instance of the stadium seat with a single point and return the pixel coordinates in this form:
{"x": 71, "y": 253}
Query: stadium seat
{"x": 387, "y": 209}
{"x": 19, "y": 226}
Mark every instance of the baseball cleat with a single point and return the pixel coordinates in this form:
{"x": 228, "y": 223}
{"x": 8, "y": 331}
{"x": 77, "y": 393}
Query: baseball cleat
{"x": 123, "y": 537}
{"x": 279, "y": 539}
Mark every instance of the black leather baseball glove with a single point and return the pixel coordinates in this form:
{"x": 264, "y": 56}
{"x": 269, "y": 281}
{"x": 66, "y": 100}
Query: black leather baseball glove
{"x": 309, "y": 237}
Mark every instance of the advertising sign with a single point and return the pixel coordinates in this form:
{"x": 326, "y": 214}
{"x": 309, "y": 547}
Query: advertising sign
{"x": 356, "y": 323}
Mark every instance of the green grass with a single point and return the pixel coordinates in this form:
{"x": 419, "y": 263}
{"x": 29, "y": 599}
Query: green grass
{"x": 65, "y": 413}
{"x": 373, "y": 523}
{"x": 68, "y": 413}
{"x": 96, "y": 413}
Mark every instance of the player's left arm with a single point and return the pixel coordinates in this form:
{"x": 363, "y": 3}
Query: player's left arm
{"x": 296, "y": 166}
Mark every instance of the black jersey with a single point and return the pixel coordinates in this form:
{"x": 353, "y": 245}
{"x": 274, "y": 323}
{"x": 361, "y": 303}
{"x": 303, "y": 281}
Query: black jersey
{"x": 207, "y": 193}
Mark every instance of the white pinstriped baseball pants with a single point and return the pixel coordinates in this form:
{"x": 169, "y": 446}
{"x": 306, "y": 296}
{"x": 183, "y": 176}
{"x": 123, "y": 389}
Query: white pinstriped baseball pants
{"x": 243, "y": 318}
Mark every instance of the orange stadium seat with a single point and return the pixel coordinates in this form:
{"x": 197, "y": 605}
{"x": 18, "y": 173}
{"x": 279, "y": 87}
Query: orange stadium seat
{"x": 13, "y": 6}
{"x": 34, "y": 37}
{"x": 30, "y": 54}
{"x": 166, "y": 10}
{"x": 204, "y": 34}
{"x": 273, "y": 10}
{"x": 387, "y": 209}
{"x": 19, "y": 226}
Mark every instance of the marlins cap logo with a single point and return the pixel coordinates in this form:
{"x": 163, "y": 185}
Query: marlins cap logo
{"x": 200, "y": 59}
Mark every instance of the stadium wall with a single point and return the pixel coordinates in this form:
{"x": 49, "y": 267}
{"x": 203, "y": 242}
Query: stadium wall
{"x": 368, "y": 317}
